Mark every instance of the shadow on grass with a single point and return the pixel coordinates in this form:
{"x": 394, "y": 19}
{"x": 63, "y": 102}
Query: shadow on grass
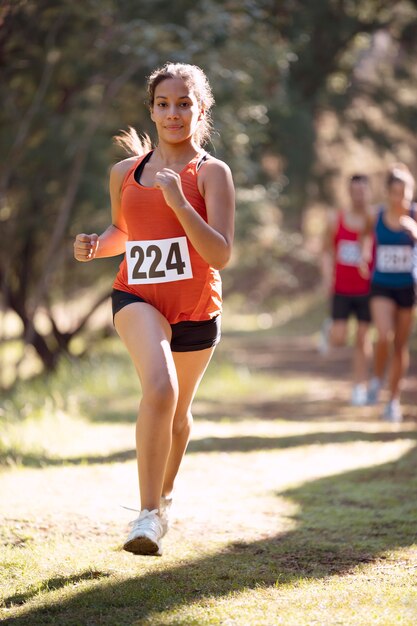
{"x": 302, "y": 408}
{"x": 217, "y": 444}
{"x": 344, "y": 521}
{"x": 292, "y": 358}
{"x": 254, "y": 443}
{"x": 291, "y": 408}
{"x": 50, "y": 585}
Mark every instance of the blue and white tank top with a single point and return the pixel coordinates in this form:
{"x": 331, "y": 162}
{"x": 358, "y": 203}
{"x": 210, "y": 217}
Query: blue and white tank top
{"x": 395, "y": 257}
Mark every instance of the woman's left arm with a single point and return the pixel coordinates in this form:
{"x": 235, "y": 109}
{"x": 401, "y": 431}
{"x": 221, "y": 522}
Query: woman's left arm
{"x": 212, "y": 239}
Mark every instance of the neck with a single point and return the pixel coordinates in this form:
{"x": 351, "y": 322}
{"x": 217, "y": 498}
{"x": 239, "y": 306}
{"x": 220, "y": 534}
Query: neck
{"x": 399, "y": 209}
{"x": 358, "y": 209}
{"x": 174, "y": 153}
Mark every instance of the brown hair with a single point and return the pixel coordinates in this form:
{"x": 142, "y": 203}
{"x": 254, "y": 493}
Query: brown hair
{"x": 359, "y": 178}
{"x": 194, "y": 77}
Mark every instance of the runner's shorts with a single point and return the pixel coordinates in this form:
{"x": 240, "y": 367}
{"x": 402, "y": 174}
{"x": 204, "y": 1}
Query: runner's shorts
{"x": 187, "y": 336}
{"x": 404, "y": 297}
{"x": 343, "y": 306}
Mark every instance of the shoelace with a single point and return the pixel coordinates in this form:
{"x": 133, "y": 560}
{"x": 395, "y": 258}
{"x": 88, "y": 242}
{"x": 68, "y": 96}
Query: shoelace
{"x": 165, "y": 506}
{"x": 129, "y": 509}
{"x": 143, "y": 520}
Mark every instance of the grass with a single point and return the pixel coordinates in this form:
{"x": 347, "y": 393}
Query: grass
{"x": 291, "y": 508}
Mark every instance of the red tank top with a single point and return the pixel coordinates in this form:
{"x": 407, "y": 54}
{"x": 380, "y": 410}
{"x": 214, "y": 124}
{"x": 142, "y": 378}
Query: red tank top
{"x": 347, "y": 279}
{"x": 160, "y": 265}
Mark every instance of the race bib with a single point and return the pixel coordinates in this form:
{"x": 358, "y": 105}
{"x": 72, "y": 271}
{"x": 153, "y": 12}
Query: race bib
{"x": 394, "y": 259}
{"x": 159, "y": 261}
{"x": 349, "y": 253}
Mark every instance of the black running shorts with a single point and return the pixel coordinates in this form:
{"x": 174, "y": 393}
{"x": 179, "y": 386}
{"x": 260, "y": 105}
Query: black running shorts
{"x": 404, "y": 297}
{"x": 186, "y": 336}
{"x": 343, "y": 306}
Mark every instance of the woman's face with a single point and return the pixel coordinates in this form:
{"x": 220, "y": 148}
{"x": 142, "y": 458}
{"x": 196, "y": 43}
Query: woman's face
{"x": 399, "y": 194}
{"x": 175, "y": 111}
{"x": 359, "y": 193}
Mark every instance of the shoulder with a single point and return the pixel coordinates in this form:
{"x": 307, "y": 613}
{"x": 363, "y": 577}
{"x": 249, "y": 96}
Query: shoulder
{"x": 120, "y": 169}
{"x": 118, "y": 173}
{"x": 334, "y": 218}
{"x": 214, "y": 174}
{"x": 213, "y": 167}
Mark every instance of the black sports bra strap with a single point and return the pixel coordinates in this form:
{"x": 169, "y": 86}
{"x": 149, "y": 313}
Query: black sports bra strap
{"x": 139, "y": 169}
{"x": 202, "y": 160}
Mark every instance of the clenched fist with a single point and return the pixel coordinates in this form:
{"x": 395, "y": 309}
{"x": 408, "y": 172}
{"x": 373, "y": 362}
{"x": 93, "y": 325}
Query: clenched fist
{"x": 409, "y": 225}
{"x": 85, "y": 247}
{"x": 169, "y": 182}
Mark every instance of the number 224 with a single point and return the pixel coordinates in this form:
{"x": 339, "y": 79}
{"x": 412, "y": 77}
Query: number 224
{"x": 173, "y": 262}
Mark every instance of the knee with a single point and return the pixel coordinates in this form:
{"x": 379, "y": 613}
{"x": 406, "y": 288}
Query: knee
{"x": 182, "y": 423}
{"x": 362, "y": 341}
{"x": 161, "y": 396}
{"x": 384, "y": 337}
{"x": 401, "y": 348}
{"x": 337, "y": 337}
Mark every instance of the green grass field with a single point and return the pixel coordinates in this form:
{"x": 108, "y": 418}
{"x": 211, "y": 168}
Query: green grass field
{"x": 291, "y": 507}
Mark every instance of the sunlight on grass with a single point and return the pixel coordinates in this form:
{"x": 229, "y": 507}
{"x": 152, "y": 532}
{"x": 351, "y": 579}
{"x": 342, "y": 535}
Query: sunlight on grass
{"x": 45, "y": 439}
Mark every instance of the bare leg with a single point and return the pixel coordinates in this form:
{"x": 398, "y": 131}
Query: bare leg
{"x": 383, "y": 316}
{"x": 190, "y": 369}
{"x": 147, "y": 334}
{"x": 361, "y": 354}
{"x": 338, "y": 333}
{"x": 401, "y": 355}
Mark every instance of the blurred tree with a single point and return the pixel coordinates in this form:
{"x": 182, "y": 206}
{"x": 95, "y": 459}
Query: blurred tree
{"x": 279, "y": 65}
{"x": 65, "y": 69}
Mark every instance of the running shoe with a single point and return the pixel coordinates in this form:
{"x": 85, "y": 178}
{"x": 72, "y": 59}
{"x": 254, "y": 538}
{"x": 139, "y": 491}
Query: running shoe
{"x": 165, "y": 504}
{"x": 359, "y": 396}
{"x": 324, "y": 340}
{"x": 374, "y": 388}
{"x": 392, "y": 412}
{"x": 145, "y": 534}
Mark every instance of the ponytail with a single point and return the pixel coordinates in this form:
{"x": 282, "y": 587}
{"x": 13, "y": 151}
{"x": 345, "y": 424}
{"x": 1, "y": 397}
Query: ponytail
{"x": 132, "y": 143}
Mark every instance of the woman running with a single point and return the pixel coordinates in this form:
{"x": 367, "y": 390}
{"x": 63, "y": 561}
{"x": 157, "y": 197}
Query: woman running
{"x": 392, "y": 287}
{"x": 173, "y": 217}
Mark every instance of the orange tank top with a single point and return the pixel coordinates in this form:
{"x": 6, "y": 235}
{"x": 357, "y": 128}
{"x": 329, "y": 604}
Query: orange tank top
{"x": 160, "y": 265}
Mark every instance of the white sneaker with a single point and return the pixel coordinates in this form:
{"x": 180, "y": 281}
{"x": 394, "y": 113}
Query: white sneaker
{"x": 392, "y": 412}
{"x": 359, "y": 395}
{"x": 165, "y": 504}
{"x": 374, "y": 387}
{"x": 324, "y": 340}
{"x": 145, "y": 534}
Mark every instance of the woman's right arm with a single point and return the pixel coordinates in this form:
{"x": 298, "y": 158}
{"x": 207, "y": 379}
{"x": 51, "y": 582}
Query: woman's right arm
{"x": 367, "y": 246}
{"x": 112, "y": 241}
